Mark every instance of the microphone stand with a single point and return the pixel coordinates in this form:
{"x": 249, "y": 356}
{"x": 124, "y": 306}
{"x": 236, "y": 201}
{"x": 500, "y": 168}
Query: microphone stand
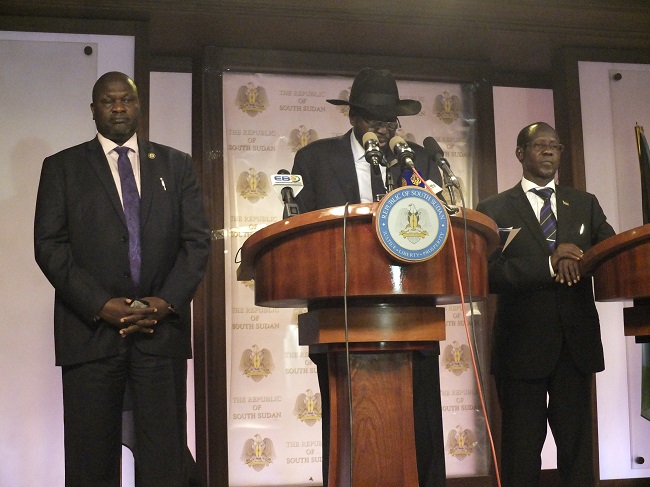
{"x": 450, "y": 189}
{"x": 390, "y": 184}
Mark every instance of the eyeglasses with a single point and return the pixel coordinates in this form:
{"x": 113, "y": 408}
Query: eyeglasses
{"x": 376, "y": 124}
{"x": 541, "y": 146}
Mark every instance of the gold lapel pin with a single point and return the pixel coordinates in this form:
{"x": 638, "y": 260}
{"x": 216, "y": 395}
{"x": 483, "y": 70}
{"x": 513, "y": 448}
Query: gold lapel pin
{"x": 151, "y": 155}
{"x": 566, "y": 203}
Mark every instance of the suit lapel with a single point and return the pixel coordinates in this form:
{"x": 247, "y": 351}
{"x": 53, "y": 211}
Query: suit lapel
{"x": 564, "y": 214}
{"x": 99, "y": 163}
{"x": 527, "y": 216}
{"x": 147, "y": 178}
{"x": 343, "y": 168}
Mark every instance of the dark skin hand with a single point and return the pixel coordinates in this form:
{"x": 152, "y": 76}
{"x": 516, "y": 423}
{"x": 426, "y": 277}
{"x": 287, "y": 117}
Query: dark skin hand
{"x": 565, "y": 261}
{"x": 117, "y": 312}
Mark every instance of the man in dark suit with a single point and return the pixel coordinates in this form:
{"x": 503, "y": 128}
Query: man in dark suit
{"x": 335, "y": 172}
{"x": 547, "y": 332}
{"x": 101, "y": 264}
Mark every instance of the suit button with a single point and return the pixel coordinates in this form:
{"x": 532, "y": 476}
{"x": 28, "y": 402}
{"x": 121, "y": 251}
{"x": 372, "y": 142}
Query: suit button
{"x": 124, "y": 238}
{"x": 127, "y": 275}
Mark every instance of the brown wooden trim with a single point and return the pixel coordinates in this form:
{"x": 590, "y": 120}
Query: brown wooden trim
{"x": 171, "y": 64}
{"x": 485, "y": 159}
{"x": 210, "y": 305}
{"x": 332, "y": 64}
{"x": 568, "y": 120}
{"x": 142, "y": 75}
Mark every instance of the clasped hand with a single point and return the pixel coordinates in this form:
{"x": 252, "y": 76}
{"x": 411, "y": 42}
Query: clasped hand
{"x": 119, "y": 313}
{"x": 565, "y": 261}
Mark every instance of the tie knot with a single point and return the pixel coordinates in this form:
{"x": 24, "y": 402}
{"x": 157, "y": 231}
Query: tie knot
{"x": 121, "y": 150}
{"x": 544, "y": 193}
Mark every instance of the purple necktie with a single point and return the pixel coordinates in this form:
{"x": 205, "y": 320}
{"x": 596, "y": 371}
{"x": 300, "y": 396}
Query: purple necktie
{"x": 546, "y": 217}
{"x": 131, "y": 202}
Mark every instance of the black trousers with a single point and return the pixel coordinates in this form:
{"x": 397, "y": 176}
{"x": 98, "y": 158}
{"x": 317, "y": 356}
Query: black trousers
{"x": 427, "y": 415}
{"x": 524, "y": 417}
{"x": 93, "y": 395}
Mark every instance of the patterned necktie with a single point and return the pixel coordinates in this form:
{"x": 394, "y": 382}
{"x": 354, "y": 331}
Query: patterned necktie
{"x": 131, "y": 202}
{"x": 547, "y": 219}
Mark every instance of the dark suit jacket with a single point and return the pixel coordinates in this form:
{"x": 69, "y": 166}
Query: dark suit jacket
{"x": 534, "y": 313}
{"x": 330, "y": 178}
{"x": 81, "y": 244}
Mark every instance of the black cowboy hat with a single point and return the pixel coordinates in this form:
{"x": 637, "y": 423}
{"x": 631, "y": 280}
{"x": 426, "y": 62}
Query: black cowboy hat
{"x": 375, "y": 91}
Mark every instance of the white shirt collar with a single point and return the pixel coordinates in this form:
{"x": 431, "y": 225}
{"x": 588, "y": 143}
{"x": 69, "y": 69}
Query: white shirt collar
{"x": 357, "y": 149}
{"x": 527, "y": 185}
{"x": 108, "y": 145}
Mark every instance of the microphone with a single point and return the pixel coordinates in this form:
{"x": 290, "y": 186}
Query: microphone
{"x": 284, "y": 184}
{"x": 434, "y": 149}
{"x": 404, "y": 153}
{"x": 373, "y": 154}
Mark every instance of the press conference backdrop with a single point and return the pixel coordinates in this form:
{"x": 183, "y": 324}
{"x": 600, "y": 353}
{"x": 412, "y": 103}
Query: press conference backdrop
{"x": 273, "y": 437}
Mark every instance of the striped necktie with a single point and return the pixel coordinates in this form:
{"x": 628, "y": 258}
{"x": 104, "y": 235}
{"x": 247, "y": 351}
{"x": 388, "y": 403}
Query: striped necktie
{"x": 547, "y": 219}
{"x": 131, "y": 202}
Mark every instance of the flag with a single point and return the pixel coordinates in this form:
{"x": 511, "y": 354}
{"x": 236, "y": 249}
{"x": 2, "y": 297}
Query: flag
{"x": 644, "y": 164}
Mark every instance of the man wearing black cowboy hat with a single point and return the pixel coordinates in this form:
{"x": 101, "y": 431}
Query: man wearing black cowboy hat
{"x": 335, "y": 172}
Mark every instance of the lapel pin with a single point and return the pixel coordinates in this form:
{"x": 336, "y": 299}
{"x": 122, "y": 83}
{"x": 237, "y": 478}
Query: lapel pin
{"x": 565, "y": 203}
{"x": 162, "y": 182}
{"x": 151, "y": 155}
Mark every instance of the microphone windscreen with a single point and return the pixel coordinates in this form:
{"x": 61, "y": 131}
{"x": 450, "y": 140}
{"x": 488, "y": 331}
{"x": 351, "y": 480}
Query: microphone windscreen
{"x": 283, "y": 171}
{"x": 394, "y": 141}
{"x": 369, "y": 136}
{"x": 432, "y": 147}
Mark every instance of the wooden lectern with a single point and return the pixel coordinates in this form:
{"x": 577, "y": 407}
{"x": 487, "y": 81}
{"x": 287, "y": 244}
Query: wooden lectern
{"x": 390, "y": 310}
{"x": 621, "y": 269}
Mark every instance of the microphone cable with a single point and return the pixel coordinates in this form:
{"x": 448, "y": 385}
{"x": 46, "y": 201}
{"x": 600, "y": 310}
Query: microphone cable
{"x": 470, "y": 338}
{"x": 347, "y": 339}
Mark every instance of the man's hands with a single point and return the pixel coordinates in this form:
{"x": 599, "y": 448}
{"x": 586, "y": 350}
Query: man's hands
{"x": 565, "y": 259}
{"x": 119, "y": 313}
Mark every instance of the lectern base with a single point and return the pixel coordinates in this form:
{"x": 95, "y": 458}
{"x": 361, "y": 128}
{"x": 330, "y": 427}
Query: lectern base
{"x": 373, "y": 442}
{"x": 372, "y": 437}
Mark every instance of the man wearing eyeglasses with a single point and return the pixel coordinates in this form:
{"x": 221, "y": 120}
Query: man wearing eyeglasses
{"x": 546, "y": 339}
{"x": 335, "y": 172}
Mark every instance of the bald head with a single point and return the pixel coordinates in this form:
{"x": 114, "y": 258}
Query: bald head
{"x": 528, "y": 132}
{"x": 116, "y": 106}
{"x": 109, "y": 77}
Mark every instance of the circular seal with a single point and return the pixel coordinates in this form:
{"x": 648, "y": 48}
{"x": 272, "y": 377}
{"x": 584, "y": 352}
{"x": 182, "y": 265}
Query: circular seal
{"x": 412, "y": 224}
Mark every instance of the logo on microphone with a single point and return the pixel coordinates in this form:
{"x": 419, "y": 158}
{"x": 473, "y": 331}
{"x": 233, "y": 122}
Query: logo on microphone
{"x": 412, "y": 224}
{"x": 290, "y": 179}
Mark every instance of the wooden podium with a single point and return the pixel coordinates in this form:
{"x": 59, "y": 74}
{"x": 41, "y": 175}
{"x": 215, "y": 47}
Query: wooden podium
{"x": 391, "y": 311}
{"x": 621, "y": 269}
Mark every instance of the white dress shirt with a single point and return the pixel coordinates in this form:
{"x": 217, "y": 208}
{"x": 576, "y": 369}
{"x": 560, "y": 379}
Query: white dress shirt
{"x": 109, "y": 149}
